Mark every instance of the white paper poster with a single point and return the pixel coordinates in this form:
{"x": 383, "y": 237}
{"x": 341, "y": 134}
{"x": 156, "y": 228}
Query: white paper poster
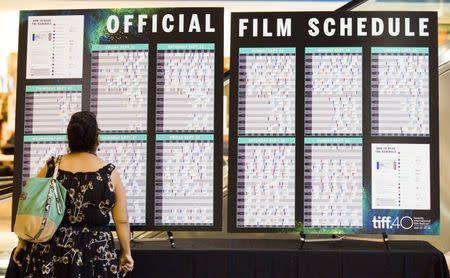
{"x": 401, "y": 176}
{"x": 55, "y": 47}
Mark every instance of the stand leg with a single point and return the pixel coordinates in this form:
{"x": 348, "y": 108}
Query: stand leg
{"x": 133, "y": 241}
{"x": 386, "y": 241}
{"x": 302, "y": 240}
{"x": 171, "y": 240}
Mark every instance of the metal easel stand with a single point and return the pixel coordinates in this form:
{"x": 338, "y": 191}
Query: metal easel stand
{"x": 335, "y": 238}
{"x": 384, "y": 239}
{"x": 171, "y": 239}
{"x": 303, "y": 239}
{"x": 136, "y": 238}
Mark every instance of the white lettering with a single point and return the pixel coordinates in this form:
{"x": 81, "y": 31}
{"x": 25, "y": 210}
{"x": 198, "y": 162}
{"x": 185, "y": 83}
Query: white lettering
{"x": 112, "y": 24}
{"x": 346, "y": 26}
{"x": 377, "y": 26}
{"x": 181, "y": 23}
{"x": 314, "y": 30}
{"x": 283, "y": 29}
{"x": 423, "y": 25}
{"x": 165, "y": 23}
{"x": 394, "y": 27}
{"x": 242, "y": 26}
{"x": 154, "y": 23}
{"x": 127, "y": 22}
{"x": 408, "y": 32}
{"x": 266, "y": 32}
{"x": 195, "y": 24}
{"x": 208, "y": 27}
{"x": 361, "y": 23}
{"x": 141, "y": 22}
{"x": 327, "y": 23}
{"x": 255, "y": 27}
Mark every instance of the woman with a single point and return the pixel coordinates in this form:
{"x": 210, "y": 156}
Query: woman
{"x": 83, "y": 245}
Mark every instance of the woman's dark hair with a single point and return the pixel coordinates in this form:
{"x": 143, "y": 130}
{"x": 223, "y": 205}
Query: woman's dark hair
{"x": 82, "y": 132}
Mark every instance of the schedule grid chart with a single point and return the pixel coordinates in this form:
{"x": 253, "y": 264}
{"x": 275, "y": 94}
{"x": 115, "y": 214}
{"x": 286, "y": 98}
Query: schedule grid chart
{"x": 128, "y": 153}
{"x": 184, "y": 189}
{"x": 185, "y": 87}
{"x": 266, "y": 183}
{"x": 119, "y": 83}
{"x": 266, "y": 91}
{"x": 333, "y": 91}
{"x": 400, "y": 91}
{"x": 184, "y": 142}
{"x": 333, "y": 182}
{"x": 48, "y": 108}
{"x": 37, "y": 149}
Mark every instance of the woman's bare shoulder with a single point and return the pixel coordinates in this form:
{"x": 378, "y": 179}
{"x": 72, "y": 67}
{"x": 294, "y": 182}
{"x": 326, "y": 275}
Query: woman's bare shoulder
{"x": 89, "y": 161}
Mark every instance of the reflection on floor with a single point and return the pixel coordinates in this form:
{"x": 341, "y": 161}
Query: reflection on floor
{"x": 8, "y": 240}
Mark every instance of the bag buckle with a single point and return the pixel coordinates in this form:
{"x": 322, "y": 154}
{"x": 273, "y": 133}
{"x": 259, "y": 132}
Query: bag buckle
{"x": 23, "y": 196}
{"x": 58, "y": 206}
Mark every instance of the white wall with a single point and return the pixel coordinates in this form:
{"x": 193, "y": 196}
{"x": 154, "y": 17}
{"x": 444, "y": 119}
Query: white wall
{"x": 9, "y": 30}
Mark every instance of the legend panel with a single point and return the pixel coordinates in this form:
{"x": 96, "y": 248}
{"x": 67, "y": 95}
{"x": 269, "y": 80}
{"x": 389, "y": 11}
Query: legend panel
{"x": 55, "y": 47}
{"x": 401, "y": 176}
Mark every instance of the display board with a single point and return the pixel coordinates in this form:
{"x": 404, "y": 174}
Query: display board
{"x": 334, "y": 123}
{"x": 154, "y": 78}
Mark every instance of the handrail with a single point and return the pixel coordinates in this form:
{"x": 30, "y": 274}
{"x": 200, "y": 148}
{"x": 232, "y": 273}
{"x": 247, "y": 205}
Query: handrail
{"x": 6, "y": 178}
{"x": 351, "y": 5}
{"x": 444, "y": 68}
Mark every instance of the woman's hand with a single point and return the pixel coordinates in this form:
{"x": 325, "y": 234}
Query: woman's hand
{"x": 22, "y": 245}
{"x": 126, "y": 263}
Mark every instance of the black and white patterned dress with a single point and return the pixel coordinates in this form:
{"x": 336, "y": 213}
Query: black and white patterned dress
{"x": 83, "y": 245}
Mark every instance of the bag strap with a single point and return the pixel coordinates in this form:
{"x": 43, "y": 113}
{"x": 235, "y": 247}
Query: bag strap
{"x": 55, "y": 172}
{"x": 52, "y": 191}
{"x": 55, "y": 175}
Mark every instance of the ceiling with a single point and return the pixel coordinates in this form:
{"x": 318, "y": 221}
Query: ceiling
{"x": 230, "y": 6}
{"x": 441, "y": 6}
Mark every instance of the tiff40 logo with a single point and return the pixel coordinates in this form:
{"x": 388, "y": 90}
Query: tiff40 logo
{"x": 386, "y": 222}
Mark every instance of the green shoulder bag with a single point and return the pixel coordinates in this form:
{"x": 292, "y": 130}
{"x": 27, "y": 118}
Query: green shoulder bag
{"x": 41, "y": 208}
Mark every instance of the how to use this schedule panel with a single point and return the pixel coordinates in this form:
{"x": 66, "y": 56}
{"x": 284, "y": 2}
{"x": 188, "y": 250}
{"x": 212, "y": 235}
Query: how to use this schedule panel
{"x": 332, "y": 130}
{"x": 157, "y": 97}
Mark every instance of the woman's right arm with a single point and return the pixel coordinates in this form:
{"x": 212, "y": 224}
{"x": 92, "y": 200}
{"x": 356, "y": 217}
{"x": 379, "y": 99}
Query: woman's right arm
{"x": 120, "y": 216}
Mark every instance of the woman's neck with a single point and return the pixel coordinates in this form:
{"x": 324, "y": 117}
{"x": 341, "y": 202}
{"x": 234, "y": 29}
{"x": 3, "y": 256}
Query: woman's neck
{"x": 84, "y": 153}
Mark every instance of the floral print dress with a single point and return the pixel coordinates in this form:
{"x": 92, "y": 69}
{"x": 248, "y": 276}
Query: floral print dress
{"x": 83, "y": 245}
